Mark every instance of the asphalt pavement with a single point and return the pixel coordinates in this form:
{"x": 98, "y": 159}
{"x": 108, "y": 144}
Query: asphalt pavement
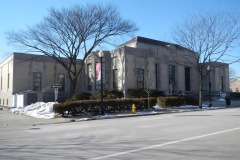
{"x": 199, "y": 135}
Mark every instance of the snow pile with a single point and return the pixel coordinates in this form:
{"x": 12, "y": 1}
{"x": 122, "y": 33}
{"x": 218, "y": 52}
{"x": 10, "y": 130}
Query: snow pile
{"x": 220, "y": 99}
{"x": 204, "y": 106}
{"x": 37, "y": 110}
{"x": 157, "y": 107}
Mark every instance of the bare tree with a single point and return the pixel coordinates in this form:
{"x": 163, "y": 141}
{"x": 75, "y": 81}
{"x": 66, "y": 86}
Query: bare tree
{"x": 148, "y": 89}
{"x": 211, "y": 36}
{"x": 71, "y": 32}
{"x": 232, "y": 73}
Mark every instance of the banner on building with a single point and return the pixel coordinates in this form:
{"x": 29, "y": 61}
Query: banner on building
{"x": 98, "y": 71}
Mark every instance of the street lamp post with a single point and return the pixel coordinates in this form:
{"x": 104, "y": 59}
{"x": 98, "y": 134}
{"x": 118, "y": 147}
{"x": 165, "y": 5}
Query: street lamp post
{"x": 101, "y": 54}
{"x": 209, "y": 85}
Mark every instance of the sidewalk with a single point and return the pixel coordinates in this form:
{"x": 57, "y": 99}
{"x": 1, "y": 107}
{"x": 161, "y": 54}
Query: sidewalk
{"x": 7, "y": 119}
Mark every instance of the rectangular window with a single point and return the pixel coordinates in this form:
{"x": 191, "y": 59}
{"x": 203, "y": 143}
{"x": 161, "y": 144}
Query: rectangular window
{"x": 98, "y": 75}
{"x": 140, "y": 78}
{"x": 187, "y": 79}
{"x": 115, "y": 79}
{"x": 221, "y": 83}
{"x": 171, "y": 74}
{"x": 89, "y": 75}
{"x": 61, "y": 81}
{"x": 37, "y": 78}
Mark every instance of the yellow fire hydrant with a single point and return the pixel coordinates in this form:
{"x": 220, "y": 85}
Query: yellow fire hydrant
{"x": 134, "y": 109}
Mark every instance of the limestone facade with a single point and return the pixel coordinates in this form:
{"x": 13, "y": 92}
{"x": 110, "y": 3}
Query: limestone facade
{"x": 235, "y": 84}
{"x": 139, "y": 63}
{"x": 28, "y": 72}
{"x": 148, "y": 63}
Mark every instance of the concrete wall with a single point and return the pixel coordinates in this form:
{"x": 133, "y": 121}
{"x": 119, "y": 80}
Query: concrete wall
{"x": 146, "y": 56}
{"x": 118, "y": 60}
{"x": 235, "y": 85}
{"x": 91, "y": 60}
{"x": 128, "y": 58}
{"x": 220, "y": 70}
{"x": 21, "y": 67}
{"x": 6, "y": 81}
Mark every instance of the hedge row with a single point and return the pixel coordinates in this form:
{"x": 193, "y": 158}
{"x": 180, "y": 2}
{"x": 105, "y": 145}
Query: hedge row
{"x": 141, "y": 93}
{"x": 235, "y": 95}
{"x": 92, "y": 106}
{"x": 118, "y": 105}
{"x": 176, "y": 101}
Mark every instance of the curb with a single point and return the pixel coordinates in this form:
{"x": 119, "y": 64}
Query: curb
{"x": 138, "y": 115}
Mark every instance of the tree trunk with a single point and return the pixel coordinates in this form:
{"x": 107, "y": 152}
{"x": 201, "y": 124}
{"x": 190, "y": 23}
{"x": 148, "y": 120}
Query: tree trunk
{"x": 200, "y": 94}
{"x": 73, "y": 83}
{"x": 148, "y": 102}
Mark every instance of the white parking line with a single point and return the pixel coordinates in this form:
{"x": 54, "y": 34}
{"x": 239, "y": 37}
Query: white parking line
{"x": 165, "y": 144}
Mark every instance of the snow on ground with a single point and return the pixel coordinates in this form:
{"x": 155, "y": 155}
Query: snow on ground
{"x": 45, "y": 110}
{"x": 204, "y": 106}
{"x": 157, "y": 107}
{"x": 220, "y": 99}
{"x": 37, "y": 110}
{"x": 188, "y": 107}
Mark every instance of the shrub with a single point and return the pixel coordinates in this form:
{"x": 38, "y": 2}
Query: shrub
{"x": 81, "y": 96}
{"x": 235, "y": 95}
{"x": 111, "y": 105}
{"x": 190, "y": 100}
{"x": 137, "y": 93}
{"x": 157, "y": 94}
{"x": 108, "y": 94}
{"x": 141, "y": 93}
{"x": 58, "y": 108}
{"x": 176, "y": 101}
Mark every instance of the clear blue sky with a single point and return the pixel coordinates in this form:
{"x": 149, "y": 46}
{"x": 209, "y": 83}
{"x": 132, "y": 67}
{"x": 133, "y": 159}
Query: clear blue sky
{"x": 154, "y": 17}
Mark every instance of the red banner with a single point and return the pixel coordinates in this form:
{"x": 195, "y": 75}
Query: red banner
{"x": 98, "y": 71}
